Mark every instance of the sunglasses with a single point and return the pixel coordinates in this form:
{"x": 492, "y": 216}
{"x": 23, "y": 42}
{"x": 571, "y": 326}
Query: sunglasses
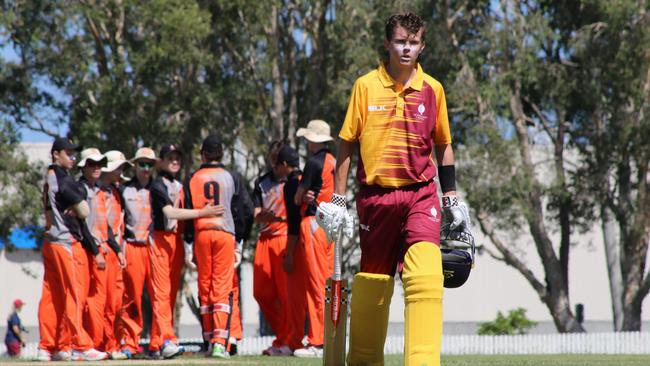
{"x": 94, "y": 164}
{"x": 145, "y": 165}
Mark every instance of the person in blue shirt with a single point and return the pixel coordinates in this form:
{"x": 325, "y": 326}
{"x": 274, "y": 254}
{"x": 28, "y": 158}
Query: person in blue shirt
{"x": 14, "y": 339}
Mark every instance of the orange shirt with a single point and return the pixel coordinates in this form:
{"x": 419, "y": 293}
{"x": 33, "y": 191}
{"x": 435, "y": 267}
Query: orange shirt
{"x": 396, "y": 127}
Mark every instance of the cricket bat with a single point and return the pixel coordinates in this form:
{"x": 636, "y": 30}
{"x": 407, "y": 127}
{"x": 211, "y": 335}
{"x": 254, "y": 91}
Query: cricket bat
{"x": 336, "y": 312}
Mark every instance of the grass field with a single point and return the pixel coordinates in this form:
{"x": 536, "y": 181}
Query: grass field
{"x": 553, "y": 360}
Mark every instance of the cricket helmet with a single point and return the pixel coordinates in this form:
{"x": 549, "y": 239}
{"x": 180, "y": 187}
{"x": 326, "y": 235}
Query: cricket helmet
{"x": 458, "y": 254}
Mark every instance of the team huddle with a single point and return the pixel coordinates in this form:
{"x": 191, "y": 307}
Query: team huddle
{"x": 110, "y": 237}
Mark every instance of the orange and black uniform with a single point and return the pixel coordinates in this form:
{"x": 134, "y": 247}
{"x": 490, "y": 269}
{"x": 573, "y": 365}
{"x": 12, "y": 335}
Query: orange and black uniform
{"x": 314, "y": 255}
{"x": 60, "y": 309}
{"x": 269, "y": 278}
{"x": 114, "y": 274}
{"x": 214, "y": 242}
{"x": 166, "y": 255}
{"x": 138, "y": 232}
{"x": 96, "y": 321}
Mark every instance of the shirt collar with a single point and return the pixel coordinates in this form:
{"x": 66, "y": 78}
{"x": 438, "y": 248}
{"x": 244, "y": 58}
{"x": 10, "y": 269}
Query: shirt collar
{"x": 387, "y": 80}
{"x": 212, "y": 165}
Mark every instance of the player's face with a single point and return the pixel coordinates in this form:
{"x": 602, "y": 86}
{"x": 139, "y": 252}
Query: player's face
{"x": 65, "y": 158}
{"x": 92, "y": 170}
{"x": 404, "y": 48}
{"x": 143, "y": 169}
{"x": 114, "y": 176}
{"x": 172, "y": 163}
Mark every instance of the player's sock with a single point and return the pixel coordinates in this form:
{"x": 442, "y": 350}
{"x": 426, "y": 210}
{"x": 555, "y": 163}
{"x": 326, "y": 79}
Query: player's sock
{"x": 371, "y": 295}
{"x": 422, "y": 278}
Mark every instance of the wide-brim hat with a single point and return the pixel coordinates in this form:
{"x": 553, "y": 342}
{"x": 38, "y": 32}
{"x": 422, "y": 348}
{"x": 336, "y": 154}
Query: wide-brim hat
{"x": 93, "y": 154}
{"x": 144, "y": 153}
{"x": 115, "y": 159}
{"x": 316, "y": 131}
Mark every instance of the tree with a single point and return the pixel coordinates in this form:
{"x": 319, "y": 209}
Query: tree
{"x": 610, "y": 115}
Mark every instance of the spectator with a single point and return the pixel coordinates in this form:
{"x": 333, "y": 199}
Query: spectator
{"x": 14, "y": 338}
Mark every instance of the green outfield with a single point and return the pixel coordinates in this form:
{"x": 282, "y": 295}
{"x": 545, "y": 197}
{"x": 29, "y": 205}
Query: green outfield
{"x": 554, "y": 360}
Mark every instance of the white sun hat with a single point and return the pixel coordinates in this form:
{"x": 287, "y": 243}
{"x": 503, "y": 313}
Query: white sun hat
{"x": 93, "y": 154}
{"x": 115, "y": 160}
{"x": 317, "y": 131}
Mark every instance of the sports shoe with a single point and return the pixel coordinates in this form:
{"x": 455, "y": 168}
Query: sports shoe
{"x": 219, "y": 351}
{"x": 89, "y": 355}
{"x": 171, "y": 349}
{"x": 309, "y": 352}
{"x": 43, "y": 355}
{"x": 126, "y": 352}
{"x": 277, "y": 351}
{"x": 62, "y": 356}
{"x": 155, "y": 355}
{"x": 117, "y": 355}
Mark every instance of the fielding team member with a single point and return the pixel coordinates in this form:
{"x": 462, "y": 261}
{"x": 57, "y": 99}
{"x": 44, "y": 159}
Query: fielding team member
{"x": 115, "y": 261}
{"x": 60, "y": 311}
{"x": 96, "y": 321}
{"x": 214, "y": 239}
{"x": 396, "y": 115}
{"x": 269, "y": 278}
{"x": 167, "y": 254}
{"x": 286, "y": 168}
{"x": 138, "y": 230}
{"x": 314, "y": 255}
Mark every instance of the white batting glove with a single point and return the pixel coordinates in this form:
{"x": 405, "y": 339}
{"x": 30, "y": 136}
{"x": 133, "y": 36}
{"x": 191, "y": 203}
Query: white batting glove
{"x": 238, "y": 252}
{"x": 456, "y": 212}
{"x": 189, "y": 255}
{"x": 332, "y": 216}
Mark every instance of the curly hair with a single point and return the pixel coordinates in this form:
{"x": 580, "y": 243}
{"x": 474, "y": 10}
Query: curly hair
{"x": 409, "y": 21}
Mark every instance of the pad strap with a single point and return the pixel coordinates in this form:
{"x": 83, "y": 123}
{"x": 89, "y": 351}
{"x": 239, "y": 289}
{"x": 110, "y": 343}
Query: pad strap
{"x": 222, "y": 308}
{"x": 206, "y": 309}
{"x": 221, "y": 333}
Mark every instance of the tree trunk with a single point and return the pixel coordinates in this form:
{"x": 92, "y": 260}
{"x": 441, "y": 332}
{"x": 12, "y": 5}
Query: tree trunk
{"x": 612, "y": 256}
{"x": 277, "y": 108}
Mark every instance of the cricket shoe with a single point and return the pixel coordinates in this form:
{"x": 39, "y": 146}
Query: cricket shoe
{"x": 277, "y": 351}
{"x": 89, "y": 355}
{"x": 120, "y": 355}
{"x": 171, "y": 349}
{"x": 219, "y": 351}
{"x": 43, "y": 355}
{"x": 309, "y": 352}
{"x": 62, "y": 356}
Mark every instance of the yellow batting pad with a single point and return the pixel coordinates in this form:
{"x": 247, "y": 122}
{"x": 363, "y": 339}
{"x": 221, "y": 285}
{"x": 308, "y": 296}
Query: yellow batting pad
{"x": 422, "y": 278}
{"x": 371, "y": 295}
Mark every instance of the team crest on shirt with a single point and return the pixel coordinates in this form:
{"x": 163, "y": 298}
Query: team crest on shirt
{"x": 421, "y": 108}
{"x": 420, "y": 114}
{"x": 434, "y": 214}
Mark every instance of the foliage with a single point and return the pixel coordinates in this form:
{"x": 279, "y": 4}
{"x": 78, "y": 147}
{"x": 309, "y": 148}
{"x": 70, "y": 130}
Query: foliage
{"x": 515, "y": 322}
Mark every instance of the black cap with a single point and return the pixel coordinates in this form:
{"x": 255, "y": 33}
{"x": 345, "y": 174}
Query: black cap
{"x": 169, "y": 148}
{"x": 288, "y": 154}
{"x": 211, "y": 144}
{"x": 64, "y": 143}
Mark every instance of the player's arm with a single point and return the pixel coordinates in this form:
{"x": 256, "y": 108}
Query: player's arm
{"x": 159, "y": 196}
{"x": 309, "y": 179}
{"x": 446, "y": 169}
{"x": 343, "y": 161}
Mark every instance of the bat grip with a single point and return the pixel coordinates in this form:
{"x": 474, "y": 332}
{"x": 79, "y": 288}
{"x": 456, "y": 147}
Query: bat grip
{"x": 336, "y": 275}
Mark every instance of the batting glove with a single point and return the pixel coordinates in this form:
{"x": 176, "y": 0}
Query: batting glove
{"x": 189, "y": 255}
{"x": 456, "y": 212}
{"x": 333, "y": 216}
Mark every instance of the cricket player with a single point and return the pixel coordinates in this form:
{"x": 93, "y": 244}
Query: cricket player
{"x": 166, "y": 255}
{"x": 313, "y": 257}
{"x": 138, "y": 233}
{"x": 214, "y": 239}
{"x": 115, "y": 260}
{"x": 96, "y": 322}
{"x": 60, "y": 308}
{"x": 396, "y": 118}
{"x": 269, "y": 278}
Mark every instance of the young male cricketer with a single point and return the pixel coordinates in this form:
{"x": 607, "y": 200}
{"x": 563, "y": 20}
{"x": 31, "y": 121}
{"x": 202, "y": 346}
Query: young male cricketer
{"x": 60, "y": 309}
{"x": 397, "y": 115}
{"x": 214, "y": 239}
{"x": 102, "y": 280}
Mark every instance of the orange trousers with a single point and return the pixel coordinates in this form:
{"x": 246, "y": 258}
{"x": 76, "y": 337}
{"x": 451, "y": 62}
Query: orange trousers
{"x": 270, "y": 285}
{"x": 136, "y": 276}
{"x": 60, "y": 310}
{"x": 215, "y": 258}
{"x": 235, "y": 320}
{"x": 104, "y": 300}
{"x": 167, "y": 257}
{"x": 313, "y": 264}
